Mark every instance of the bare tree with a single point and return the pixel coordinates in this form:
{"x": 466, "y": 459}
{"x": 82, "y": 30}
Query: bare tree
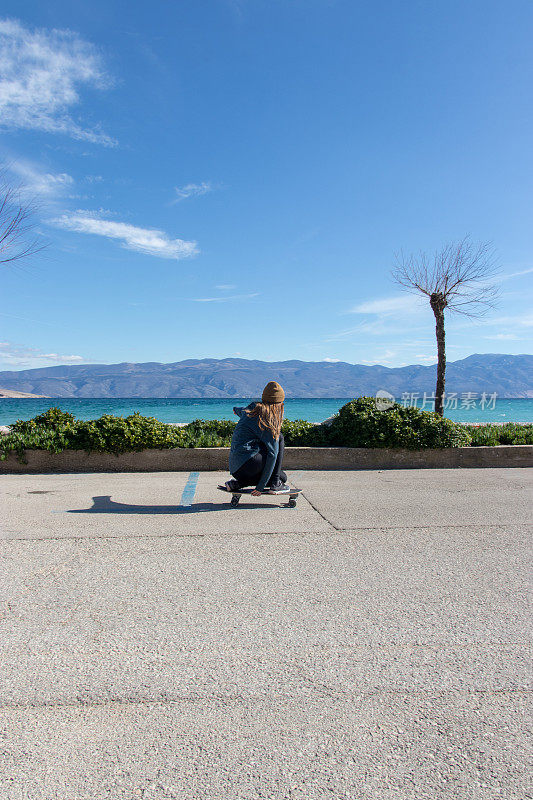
{"x": 17, "y": 224}
{"x": 456, "y": 278}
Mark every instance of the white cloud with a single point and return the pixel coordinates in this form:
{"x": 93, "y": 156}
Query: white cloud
{"x": 331, "y": 360}
{"x": 384, "y": 359}
{"x": 386, "y": 316}
{"x": 19, "y": 356}
{"x": 149, "y": 241}
{"x": 508, "y": 275}
{"x": 192, "y": 190}
{"x": 224, "y": 299}
{"x": 503, "y": 336}
{"x": 41, "y": 72}
{"x": 389, "y": 306}
{"x": 37, "y": 181}
{"x": 380, "y": 327}
{"x": 226, "y": 287}
{"x": 62, "y": 359}
{"x": 518, "y": 320}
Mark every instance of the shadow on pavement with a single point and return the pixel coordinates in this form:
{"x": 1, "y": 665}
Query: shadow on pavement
{"x": 102, "y": 504}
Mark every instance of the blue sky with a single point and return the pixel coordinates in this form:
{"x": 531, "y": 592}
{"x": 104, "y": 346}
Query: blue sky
{"x": 234, "y": 177}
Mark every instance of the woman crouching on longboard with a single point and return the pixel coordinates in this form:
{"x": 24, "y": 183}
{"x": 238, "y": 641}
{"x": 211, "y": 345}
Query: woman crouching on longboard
{"x": 257, "y": 445}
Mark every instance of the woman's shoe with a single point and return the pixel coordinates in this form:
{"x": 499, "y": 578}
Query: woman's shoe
{"x": 279, "y": 488}
{"x": 232, "y": 486}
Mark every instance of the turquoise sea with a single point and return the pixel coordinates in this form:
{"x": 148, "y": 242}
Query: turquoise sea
{"x": 185, "y": 410}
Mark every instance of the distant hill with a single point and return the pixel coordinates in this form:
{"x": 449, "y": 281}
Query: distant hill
{"x": 13, "y": 393}
{"x": 508, "y": 376}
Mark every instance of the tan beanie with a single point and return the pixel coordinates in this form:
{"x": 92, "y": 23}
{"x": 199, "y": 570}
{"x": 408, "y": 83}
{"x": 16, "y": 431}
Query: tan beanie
{"x": 273, "y": 393}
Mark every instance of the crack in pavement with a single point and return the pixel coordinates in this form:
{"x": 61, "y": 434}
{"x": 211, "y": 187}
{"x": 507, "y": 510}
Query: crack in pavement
{"x": 227, "y": 534}
{"x": 147, "y": 700}
{"x": 329, "y": 522}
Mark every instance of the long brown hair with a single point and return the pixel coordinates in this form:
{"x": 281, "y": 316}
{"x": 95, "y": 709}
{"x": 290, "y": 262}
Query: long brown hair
{"x": 270, "y": 417}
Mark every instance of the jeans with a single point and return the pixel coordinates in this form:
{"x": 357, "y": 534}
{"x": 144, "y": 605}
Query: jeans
{"x": 250, "y": 472}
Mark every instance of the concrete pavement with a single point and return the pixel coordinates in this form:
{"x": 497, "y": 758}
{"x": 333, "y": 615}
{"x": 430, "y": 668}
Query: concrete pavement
{"x": 371, "y": 644}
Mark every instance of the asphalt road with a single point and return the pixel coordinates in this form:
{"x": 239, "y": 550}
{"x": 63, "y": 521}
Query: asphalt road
{"x": 371, "y": 644}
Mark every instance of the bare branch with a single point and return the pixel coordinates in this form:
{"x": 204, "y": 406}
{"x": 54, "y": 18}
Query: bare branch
{"x": 455, "y": 278}
{"x": 17, "y": 224}
{"x": 459, "y": 274}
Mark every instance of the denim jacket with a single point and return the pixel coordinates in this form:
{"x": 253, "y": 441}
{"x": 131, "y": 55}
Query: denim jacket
{"x": 247, "y": 440}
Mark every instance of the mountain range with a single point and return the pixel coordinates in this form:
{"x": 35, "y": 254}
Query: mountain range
{"x": 507, "y": 375}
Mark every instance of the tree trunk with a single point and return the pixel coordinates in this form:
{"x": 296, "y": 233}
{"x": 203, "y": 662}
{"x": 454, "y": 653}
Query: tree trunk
{"x": 441, "y": 361}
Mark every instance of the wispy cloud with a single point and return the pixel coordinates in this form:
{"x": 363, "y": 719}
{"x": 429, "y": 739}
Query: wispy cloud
{"x": 389, "y": 306}
{"x": 37, "y": 181}
{"x": 226, "y": 299}
{"x": 522, "y": 320}
{"x": 226, "y": 287}
{"x": 192, "y": 190}
{"x": 518, "y": 321}
{"x": 41, "y": 72}
{"x": 384, "y": 358}
{"x": 149, "y": 241}
{"x": 385, "y": 316}
{"x": 19, "y": 356}
{"x": 503, "y": 336}
{"x": 60, "y": 358}
{"x": 506, "y": 275}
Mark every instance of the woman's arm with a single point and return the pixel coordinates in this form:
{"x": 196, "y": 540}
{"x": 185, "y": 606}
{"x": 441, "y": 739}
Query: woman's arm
{"x": 241, "y": 411}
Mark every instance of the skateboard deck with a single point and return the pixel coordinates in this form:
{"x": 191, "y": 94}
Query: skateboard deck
{"x": 292, "y": 494}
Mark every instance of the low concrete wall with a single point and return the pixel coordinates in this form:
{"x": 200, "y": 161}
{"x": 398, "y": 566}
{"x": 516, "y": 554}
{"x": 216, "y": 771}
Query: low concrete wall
{"x": 216, "y": 458}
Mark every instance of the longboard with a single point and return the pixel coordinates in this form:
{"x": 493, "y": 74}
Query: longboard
{"x": 236, "y": 496}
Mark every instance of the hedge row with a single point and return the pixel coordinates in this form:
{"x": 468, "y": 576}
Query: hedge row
{"x": 357, "y": 424}
{"x": 510, "y": 433}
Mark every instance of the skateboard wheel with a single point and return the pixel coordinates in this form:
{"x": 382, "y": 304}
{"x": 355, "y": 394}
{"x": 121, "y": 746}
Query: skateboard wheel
{"x": 292, "y": 503}
{"x": 235, "y": 501}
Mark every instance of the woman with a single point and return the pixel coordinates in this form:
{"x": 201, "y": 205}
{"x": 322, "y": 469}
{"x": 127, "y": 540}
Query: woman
{"x": 257, "y": 446}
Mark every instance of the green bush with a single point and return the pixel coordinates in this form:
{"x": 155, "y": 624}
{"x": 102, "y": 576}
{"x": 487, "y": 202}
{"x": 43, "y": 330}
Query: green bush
{"x": 300, "y": 433}
{"x": 493, "y": 435}
{"x": 56, "y": 430}
{"x": 296, "y": 432}
{"x": 360, "y": 423}
{"x": 219, "y": 429}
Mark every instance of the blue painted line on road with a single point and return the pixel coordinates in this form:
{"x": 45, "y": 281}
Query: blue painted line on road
{"x": 187, "y": 496}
